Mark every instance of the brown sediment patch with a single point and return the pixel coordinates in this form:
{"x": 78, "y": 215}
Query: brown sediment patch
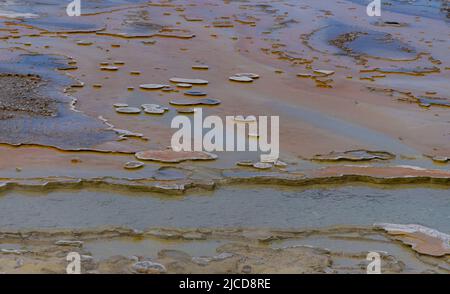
{"x": 175, "y": 33}
{"x": 425, "y": 101}
{"x": 223, "y": 24}
{"x": 342, "y": 40}
{"x": 19, "y": 96}
{"x": 164, "y": 33}
{"x": 421, "y": 239}
{"x": 192, "y": 18}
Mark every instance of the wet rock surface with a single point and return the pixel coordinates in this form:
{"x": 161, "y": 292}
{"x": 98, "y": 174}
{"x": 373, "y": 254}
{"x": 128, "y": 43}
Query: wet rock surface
{"x": 360, "y": 102}
{"x": 222, "y": 250}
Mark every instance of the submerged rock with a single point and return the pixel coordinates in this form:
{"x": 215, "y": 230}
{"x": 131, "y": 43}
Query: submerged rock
{"x": 12, "y": 251}
{"x": 186, "y": 110}
{"x": 422, "y": 239}
{"x": 205, "y": 260}
{"x": 73, "y": 243}
{"x": 355, "y": 155}
{"x": 168, "y": 173}
{"x": 168, "y": 89}
{"x": 195, "y": 93}
{"x": 203, "y": 101}
{"x": 171, "y": 156}
{"x": 133, "y": 165}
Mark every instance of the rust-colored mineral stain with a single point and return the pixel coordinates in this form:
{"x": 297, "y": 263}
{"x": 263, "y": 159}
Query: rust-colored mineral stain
{"x": 170, "y": 156}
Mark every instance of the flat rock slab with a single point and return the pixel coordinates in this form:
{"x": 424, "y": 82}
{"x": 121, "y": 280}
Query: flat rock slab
{"x": 128, "y": 110}
{"x": 241, "y": 79}
{"x": 200, "y": 67}
{"x": 181, "y": 85}
{"x": 154, "y": 108}
{"x": 323, "y": 72}
{"x": 421, "y": 239}
{"x": 189, "y": 81}
{"x": 84, "y": 43}
{"x": 195, "y": 93}
{"x": 109, "y": 68}
{"x": 152, "y": 86}
{"x": 247, "y": 75}
{"x": 120, "y": 105}
{"x": 170, "y": 156}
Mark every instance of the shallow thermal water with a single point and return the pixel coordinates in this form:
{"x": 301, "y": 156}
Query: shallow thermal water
{"x": 227, "y": 207}
{"x": 150, "y": 247}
